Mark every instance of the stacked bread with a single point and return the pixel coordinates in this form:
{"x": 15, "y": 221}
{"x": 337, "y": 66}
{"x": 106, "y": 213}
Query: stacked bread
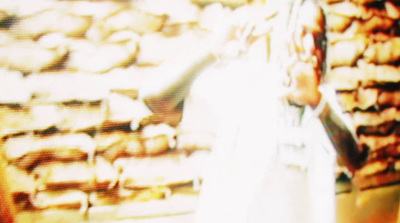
{"x": 74, "y": 133}
{"x": 363, "y": 57}
{"x": 78, "y": 137}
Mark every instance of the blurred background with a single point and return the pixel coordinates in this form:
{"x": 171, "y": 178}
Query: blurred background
{"x": 98, "y": 122}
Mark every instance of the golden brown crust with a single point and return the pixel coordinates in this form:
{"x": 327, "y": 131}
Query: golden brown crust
{"x": 379, "y": 49}
{"x": 56, "y": 175}
{"x": 114, "y": 144}
{"x": 67, "y": 199}
{"x": 360, "y": 99}
{"x": 389, "y": 98}
{"x": 166, "y": 169}
{"x": 337, "y": 23}
{"x": 383, "y": 52}
{"x": 81, "y": 117}
{"x": 135, "y": 20}
{"x": 344, "y": 78}
{"x": 346, "y": 52}
{"x": 364, "y": 75}
{"x": 92, "y": 176}
{"x": 374, "y": 24}
{"x": 356, "y": 10}
{"x": 33, "y": 117}
{"x": 375, "y": 118}
{"x": 377, "y": 180}
{"x": 49, "y": 21}
{"x": 386, "y": 128}
{"x": 122, "y": 109}
{"x": 100, "y": 58}
{"x": 346, "y": 8}
{"x": 362, "y": 1}
{"x": 20, "y": 181}
{"x": 27, "y": 56}
{"x": 14, "y": 120}
{"x": 375, "y": 143}
{"x": 118, "y": 196}
{"x": 27, "y": 151}
{"x": 156, "y": 145}
{"x": 372, "y": 168}
{"x": 385, "y": 154}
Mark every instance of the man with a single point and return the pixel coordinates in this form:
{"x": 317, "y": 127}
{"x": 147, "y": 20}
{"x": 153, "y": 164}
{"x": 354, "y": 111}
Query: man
{"x": 251, "y": 177}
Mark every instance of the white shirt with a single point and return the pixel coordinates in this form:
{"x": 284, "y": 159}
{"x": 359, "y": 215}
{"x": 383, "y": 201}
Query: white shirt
{"x": 246, "y": 180}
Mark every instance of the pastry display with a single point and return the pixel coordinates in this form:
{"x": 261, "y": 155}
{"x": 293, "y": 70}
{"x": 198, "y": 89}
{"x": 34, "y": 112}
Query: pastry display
{"x": 363, "y": 60}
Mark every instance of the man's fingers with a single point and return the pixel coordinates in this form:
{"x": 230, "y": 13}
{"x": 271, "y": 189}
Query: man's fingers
{"x": 305, "y": 84}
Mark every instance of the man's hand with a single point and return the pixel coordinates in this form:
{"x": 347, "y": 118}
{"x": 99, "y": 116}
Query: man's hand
{"x": 305, "y": 83}
{"x": 307, "y": 50}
